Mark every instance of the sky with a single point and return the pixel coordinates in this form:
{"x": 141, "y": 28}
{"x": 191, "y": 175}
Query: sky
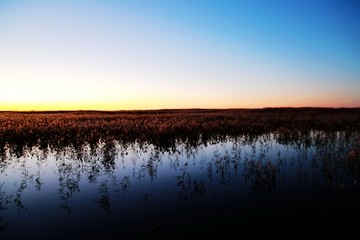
{"x": 142, "y": 54}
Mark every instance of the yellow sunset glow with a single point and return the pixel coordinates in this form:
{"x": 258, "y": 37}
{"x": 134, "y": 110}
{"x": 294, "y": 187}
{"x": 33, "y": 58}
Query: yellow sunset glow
{"x": 113, "y": 56}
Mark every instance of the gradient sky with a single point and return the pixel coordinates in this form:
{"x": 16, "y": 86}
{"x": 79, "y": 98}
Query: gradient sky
{"x": 112, "y": 55}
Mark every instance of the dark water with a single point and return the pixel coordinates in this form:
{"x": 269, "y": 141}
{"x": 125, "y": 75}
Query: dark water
{"x": 264, "y": 184}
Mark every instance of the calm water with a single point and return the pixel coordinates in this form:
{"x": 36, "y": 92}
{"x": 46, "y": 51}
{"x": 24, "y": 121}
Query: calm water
{"x": 264, "y": 183}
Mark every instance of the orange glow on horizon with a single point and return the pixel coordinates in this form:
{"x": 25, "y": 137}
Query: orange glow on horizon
{"x": 147, "y": 105}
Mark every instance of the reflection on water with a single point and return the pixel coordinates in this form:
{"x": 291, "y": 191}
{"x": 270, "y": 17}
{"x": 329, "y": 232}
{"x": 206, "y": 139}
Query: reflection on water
{"x": 304, "y": 182}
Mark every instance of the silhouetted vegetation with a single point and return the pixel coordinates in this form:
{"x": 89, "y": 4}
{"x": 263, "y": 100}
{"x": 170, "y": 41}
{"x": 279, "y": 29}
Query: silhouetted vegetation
{"x": 308, "y": 159}
{"x": 164, "y": 128}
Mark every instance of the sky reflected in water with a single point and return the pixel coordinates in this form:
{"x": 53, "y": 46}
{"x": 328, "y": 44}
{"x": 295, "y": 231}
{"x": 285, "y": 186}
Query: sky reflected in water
{"x": 220, "y": 187}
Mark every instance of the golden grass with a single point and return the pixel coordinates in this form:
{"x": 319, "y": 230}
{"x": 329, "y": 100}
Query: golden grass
{"x": 167, "y": 126}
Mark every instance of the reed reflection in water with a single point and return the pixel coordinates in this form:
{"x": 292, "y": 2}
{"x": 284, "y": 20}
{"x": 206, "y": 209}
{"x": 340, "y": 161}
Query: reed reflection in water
{"x": 309, "y": 183}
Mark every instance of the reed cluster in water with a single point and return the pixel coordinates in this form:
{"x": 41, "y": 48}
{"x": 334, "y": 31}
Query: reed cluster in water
{"x": 165, "y": 127}
{"x": 295, "y": 153}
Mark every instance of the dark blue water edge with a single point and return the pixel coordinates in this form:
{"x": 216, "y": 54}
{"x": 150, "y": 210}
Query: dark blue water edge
{"x": 249, "y": 184}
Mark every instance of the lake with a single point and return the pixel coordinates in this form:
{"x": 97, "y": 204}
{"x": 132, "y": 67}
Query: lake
{"x": 248, "y": 184}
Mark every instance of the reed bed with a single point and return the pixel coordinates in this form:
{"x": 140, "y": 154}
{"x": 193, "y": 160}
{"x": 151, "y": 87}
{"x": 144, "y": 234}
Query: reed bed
{"x": 165, "y": 127}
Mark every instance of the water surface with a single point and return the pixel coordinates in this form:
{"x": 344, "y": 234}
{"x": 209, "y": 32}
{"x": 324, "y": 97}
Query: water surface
{"x": 221, "y": 187}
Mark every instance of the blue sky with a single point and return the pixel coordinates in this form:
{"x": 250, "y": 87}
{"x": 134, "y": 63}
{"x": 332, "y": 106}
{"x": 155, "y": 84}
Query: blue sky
{"x": 178, "y": 54}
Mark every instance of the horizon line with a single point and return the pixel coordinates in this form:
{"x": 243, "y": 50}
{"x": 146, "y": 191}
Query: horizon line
{"x": 177, "y": 109}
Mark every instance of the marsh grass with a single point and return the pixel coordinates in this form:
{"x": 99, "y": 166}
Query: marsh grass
{"x": 310, "y": 182}
{"x": 164, "y": 128}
